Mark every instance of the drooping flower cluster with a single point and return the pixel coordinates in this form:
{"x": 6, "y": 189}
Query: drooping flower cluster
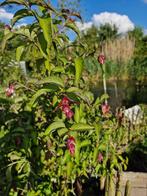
{"x": 101, "y": 59}
{"x": 100, "y": 157}
{"x": 10, "y": 90}
{"x": 71, "y": 145}
{"x": 65, "y": 107}
{"x": 105, "y": 109}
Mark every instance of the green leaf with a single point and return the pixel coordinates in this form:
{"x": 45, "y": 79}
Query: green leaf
{"x": 79, "y": 64}
{"x": 14, "y": 157}
{"x": 59, "y": 69}
{"x": 69, "y": 168}
{"x": 104, "y": 97}
{"x": 85, "y": 143}
{"x": 73, "y": 27}
{"x": 89, "y": 95}
{"x": 74, "y": 90}
{"x": 43, "y": 4}
{"x": 19, "y": 166}
{"x": 77, "y": 152}
{"x": 9, "y": 174}
{"x": 53, "y": 126}
{"x": 24, "y": 31}
{"x": 98, "y": 128}
{"x": 47, "y": 65}
{"x": 66, "y": 157}
{"x": 77, "y": 114}
{"x": 81, "y": 127}
{"x": 62, "y": 131}
{"x": 95, "y": 154}
{"x": 42, "y": 43}
{"x": 46, "y": 25}
{"x": 38, "y": 94}
{"x": 97, "y": 102}
{"x": 19, "y": 52}
{"x": 63, "y": 38}
{"x": 53, "y": 80}
{"x": 19, "y": 2}
{"x": 8, "y": 36}
{"x": 20, "y": 14}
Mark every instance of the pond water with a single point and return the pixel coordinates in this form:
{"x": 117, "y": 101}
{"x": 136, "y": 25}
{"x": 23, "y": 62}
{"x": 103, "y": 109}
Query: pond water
{"x": 122, "y": 93}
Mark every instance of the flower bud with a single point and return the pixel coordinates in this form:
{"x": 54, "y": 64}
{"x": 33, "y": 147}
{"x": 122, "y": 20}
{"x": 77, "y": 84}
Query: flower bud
{"x": 101, "y": 59}
{"x": 71, "y": 145}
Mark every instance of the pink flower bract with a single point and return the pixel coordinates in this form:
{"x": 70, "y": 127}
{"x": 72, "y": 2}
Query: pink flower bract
{"x": 71, "y": 145}
{"x": 101, "y": 59}
{"x": 67, "y": 111}
{"x": 10, "y": 90}
{"x": 100, "y": 157}
{"x": 65, "y": 106}
{"x": 64, "y": 102}
{"x": 105, "y": 108}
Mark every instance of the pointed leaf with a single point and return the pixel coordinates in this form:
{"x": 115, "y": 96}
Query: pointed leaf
{"x": 66, "y": 157}
{"x": 9, "y": 174}
{"x": 46, "y": 25}
{"x": 74, "y": 90}
{"x": 59, "y": 69}
{"x": 79, "y": 64}
{"x": 77, "y": 114}
{"x": 81, "y": 127}
{"x": 95, "y": 154}
{"x": 53, "y": 126}
{"x": 85, "y": 143}
{"x": 52, "y": 80}
{"x": 19, "y": 2}
{"x": 19, "y": 52}
{"x": 20, "y": 14}
{"x": 47, "y": 65}
{"x": 69, "y": 168}
{"x": 73, "y": 27}
{"x": 62, "y": 131}
{"x": 43, "y": 4}
{"x": 38, "y": 94}
{"x": 42, "y": 42}
{"x": 63, "y": 37}
{"x": 5, "y": 39}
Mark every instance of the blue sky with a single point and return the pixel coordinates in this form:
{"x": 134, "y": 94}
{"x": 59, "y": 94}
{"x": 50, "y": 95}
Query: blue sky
{"x": 135, "y": 9}
{"x": 125, "y": 14}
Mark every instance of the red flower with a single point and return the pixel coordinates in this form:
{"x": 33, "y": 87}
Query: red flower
{"x": 10, "y": 90}
{"x": 101, "y": 59}
{"x": 100, "y": 157}
{"x": 65, "y": 106}
{"x": 67, "y": 111}
{"x": 105, "y": 108}
{"x": 71, "y": 145}
{"x": 64, "y": 102}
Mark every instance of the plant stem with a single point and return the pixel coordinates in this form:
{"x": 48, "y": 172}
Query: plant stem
{"x": 128, "y": 188}
{"x": 104, "y": 81}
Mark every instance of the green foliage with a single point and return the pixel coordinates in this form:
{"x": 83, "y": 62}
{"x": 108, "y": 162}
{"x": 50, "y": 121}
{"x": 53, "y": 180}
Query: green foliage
{"x": 124, "y": 54}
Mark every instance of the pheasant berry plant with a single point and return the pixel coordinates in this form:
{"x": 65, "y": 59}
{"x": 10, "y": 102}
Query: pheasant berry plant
{"x": 52, "y": 133}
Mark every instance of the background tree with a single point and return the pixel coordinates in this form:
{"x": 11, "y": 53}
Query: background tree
{"x": 139, "y": 68}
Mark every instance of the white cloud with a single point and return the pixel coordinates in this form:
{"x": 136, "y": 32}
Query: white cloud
{"x": 145, "y": 1}
{"x": 20, "y": 25}
{"x": 5, "y": 15}
{"x": 122, "y": 22}
{"x": 84, "y": 26}
{"x": 145, "y": 31}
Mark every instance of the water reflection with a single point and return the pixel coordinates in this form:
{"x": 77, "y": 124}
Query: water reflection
{"x": 122, "y": 93}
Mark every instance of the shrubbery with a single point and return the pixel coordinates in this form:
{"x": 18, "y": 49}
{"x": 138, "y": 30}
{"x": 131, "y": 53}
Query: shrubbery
{"x": 53, "y": 134}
